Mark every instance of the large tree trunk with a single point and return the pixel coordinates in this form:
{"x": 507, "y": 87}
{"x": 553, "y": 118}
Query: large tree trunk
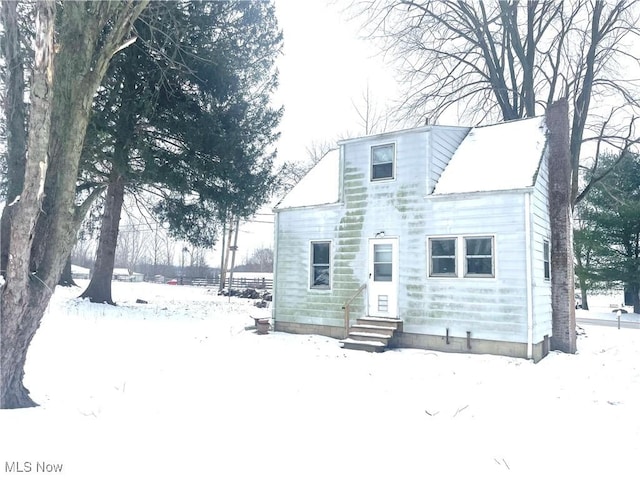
{"x": 582, "y": 282}
{"x": 41, "y": 243}
{"x": 14, "y": 109}
{"x": 581, "y": 107}
{"x": 560, "y": 211}
{"x": 66, "y": 279}
{"x": 633, "y": 289}
{"x": 99, "y": 288}
{"x": 584, "y": 294}
{"x": 18, "y": 324}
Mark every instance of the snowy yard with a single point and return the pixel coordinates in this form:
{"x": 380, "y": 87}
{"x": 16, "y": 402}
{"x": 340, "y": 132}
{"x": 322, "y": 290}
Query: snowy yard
{"x": 178, "y": 389}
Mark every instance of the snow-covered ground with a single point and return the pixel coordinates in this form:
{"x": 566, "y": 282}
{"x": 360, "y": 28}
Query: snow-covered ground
{"x": 178, "y": 389}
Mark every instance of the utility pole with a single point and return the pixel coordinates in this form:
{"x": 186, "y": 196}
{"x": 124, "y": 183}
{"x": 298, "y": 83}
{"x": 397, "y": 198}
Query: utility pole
{"x": 225, "y": 263}
{"x": 234, "y": 249}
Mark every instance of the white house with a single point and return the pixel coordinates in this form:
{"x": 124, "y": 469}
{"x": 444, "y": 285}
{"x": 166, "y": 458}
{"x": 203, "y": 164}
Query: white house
{"x": 435, "y": 237}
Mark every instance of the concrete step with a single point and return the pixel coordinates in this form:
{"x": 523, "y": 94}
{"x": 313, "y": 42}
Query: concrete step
{"x": 367, "y": 346}
{"x": 372, "y": 334}
{"x": 381, "y": 322}
{"x": 380, "y": 329}
{"x": 370, "y": 337}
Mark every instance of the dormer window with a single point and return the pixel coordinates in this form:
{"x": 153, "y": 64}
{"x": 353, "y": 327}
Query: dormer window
{"x": 382, "y": 162}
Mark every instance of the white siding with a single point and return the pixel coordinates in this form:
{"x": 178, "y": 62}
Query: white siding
{"x": 294, "y": 301}
{"x": 444, "y": 142}
{"x": 541, "y": 230}
{"x": 489, "y": 308}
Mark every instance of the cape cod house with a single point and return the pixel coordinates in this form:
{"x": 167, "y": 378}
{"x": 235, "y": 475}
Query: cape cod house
{"x": 435, "y": 237}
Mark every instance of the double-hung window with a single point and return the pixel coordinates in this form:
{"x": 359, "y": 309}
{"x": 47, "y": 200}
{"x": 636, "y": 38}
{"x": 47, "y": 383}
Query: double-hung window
{"x": 320, "y": 265}
{"x": 442, "y": 257}
{"x": 478, "y": 253}
{"x": 383, "y": 162}
{"x": 546, "y": 252}
{"x": 477, "y": 259}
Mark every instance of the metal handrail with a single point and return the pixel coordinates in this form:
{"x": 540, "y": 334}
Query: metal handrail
{"x": 346, "y": 306}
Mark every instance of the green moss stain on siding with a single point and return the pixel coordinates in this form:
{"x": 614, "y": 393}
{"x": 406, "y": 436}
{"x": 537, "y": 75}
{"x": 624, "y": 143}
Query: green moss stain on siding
{"x": 349, "y": 236}
{"x": 404, "y": 198}
{"x": 409, "y": 204}
{"x": 296, "y": 301}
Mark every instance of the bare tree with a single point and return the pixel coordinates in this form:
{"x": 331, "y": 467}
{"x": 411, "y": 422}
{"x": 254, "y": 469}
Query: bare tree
{"x": 505, "y": 60}
{"x": 292, "y": 172}
{"x": 319, "y": 149}
{"x": 169, "y": 246}
{"x": 198, "y": 258}
{"x": 373, "y": 117}
{"x": 490, "y": 61}
{"x": 134, "y": 241}
{"x": 84, "y": 251}
{"x": 262, "y": 259}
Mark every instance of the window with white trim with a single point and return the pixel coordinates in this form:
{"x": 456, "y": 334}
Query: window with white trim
{"x": 320, "y": 265}
{"x": 442, "y": 257}
{"x": 479, "y": 260}
{"x": 382, "y": 162}
{"x": 383, "y": 262}
{"x": 546, "y": 255}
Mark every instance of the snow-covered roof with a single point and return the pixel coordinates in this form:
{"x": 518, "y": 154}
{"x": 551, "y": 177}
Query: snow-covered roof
{"x": 78, "y": 269}
{"x": 498, "y": 157}
{"x": 318, "y": 187}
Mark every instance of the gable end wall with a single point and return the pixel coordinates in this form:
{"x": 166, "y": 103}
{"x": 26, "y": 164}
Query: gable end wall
{"x": 492, "y": 309}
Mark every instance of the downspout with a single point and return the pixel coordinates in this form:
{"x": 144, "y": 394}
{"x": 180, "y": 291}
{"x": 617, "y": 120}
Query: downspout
{"x": 275, "y": 267}
{"x": 529, "y": 274}
{"x": 341, "y": 175}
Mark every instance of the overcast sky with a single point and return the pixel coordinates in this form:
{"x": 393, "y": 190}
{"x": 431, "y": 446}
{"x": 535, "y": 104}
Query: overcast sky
{"x": 324, "y": 69}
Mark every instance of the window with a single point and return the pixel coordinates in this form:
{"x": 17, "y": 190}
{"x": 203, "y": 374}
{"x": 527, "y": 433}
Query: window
{"x": 383, "y": 262}
{"x": 382, "y": 159}
{"x": 546, "y": 252}
{"x": 478, "y": 256}
{"x": 478, "y": 259}
{"x": 320, "y": 265}
{"x": 442, "y": 257}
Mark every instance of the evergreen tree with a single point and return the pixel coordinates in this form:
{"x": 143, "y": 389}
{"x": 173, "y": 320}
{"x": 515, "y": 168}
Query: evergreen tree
{"x": 185, "y": 114}
{"x": 609, "y": 240}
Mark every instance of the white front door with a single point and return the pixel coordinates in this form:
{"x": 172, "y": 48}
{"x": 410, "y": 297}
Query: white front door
{"x": 383, "y": 277}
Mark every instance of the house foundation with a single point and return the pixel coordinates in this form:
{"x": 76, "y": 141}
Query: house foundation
{"x": 469, "y": 345}
{"x": 430, "y": 342}
{"x": 309, "y": 329}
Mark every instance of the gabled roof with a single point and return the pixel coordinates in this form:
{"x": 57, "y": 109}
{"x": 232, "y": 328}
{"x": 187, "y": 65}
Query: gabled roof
{"x": 318, "y": 187}
{"x": 504, "y": 156}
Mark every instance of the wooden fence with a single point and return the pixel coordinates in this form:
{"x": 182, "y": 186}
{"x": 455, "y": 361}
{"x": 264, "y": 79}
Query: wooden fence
{"x": 238, "y": 283}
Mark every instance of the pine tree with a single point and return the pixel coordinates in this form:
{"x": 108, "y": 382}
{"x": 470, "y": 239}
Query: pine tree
{"x": 185, "y": 114}
{"x": 610, "y": 219}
